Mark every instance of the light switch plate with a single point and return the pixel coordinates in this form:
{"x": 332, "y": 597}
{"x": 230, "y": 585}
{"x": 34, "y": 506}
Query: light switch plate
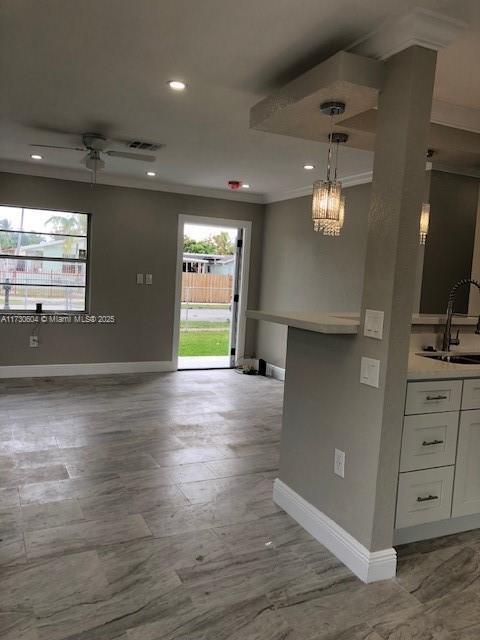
{"x": 339, "y": 463}
{"x": 370, "y": 372}
{"x": 373, "y": 324}
{"x": 139, "y": 278}
{"x": 148, "y": 278}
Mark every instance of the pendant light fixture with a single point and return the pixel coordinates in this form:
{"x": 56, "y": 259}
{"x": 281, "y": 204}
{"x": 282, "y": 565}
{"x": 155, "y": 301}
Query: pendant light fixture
{"x": 328, "y": 204}
{"x": 425, "y": 215}
{"x": 424, "y": 222}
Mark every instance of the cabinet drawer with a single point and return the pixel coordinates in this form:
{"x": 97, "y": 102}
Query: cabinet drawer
{"x": 466, "y": 495}
{"x": 433, "y": 396}
{"x": 424, "y": 496}
{"x": 429, "y": 441}
{"x": 471, "y": 394}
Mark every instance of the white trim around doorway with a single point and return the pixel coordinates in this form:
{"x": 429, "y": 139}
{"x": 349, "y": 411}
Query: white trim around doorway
{"x": 246, "y": 225}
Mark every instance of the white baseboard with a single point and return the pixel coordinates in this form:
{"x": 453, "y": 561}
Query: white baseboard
{"x": 84, "y": 369}
{"x": 369, "y": 566}
{"x": 275, "y": 372}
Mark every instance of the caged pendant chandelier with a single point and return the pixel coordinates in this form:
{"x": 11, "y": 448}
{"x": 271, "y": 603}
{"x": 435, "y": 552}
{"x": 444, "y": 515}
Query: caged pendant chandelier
{"x": 328, "y": 204}
{"x": 425, "y": 214}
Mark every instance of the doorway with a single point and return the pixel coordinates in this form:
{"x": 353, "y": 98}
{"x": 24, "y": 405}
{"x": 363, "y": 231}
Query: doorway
{"x": 212, "y": 277}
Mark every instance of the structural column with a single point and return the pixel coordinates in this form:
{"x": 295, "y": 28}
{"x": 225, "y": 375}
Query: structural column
{"x": 392, "y": 250}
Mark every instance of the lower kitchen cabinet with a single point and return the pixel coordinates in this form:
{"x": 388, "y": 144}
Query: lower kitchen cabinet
{"x": 424, "y": 496}
{"x": 439, "y": 478}
{"x": 466, "y": 496}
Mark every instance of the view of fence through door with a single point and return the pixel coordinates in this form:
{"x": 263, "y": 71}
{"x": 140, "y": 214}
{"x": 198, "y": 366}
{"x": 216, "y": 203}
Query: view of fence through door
{"x": 209, "y": 296}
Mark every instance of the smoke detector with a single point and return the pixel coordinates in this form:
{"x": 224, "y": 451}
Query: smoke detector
{"x": 234, "y": 184}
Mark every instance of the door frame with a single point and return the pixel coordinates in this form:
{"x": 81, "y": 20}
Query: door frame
{"x": 213, "y": 221}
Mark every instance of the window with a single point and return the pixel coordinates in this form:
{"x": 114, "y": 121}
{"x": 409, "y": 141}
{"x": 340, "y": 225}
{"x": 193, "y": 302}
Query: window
{"x": 43, "y": 258}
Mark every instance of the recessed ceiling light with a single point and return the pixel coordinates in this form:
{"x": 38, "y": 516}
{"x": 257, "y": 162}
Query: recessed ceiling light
{"x": 151, "y": 174}
{"x": 309, "y": 167}
{"x": 36, "y": 156}
{"x": 177, "y": 85}
{"x": 245, "y": 186}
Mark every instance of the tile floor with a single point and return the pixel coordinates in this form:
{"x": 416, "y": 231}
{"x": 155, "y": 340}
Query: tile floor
{"x": 139, "y": 508}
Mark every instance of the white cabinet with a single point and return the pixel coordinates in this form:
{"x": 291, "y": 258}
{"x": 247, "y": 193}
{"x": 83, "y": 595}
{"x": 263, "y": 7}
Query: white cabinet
{"x": 439, "y": 474}
{"x": 466, "y": 497}
{"x": 433, "y": 396}
{"x": 424, "y": 496}
{"x": 429, "y": 440}
{"x": 471, "y": 394}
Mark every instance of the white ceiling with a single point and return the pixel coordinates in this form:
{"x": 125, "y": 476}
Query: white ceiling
{"x": 102, "y": 65}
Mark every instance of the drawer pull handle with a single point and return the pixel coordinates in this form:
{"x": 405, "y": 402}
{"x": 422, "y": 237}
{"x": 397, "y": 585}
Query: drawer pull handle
{"x": 439, "y": 397}
{"x": 426, "y": 443}
{"x": 427, "y": 498}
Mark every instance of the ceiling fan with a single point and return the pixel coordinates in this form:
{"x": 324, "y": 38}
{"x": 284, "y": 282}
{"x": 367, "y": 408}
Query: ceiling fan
{"x": 95, "y": 144}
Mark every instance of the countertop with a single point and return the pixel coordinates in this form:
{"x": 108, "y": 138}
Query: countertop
{"x": 317, "y": 322}
{"x": 421, "y": 368}
{"x": 342, "y": 323}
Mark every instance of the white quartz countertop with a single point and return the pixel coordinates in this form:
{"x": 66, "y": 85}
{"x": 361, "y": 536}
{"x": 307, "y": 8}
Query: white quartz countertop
{"x": 421, "y": 368}
{"x": 341, "y": 323}
{"x": 317, "y": 322}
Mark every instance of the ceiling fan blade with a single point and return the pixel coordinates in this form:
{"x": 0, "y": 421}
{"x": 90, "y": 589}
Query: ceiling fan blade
{"x": 131, "y": 156}
{"x": 54, "y": 146}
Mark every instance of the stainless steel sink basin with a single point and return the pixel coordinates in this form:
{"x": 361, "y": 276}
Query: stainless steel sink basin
{"x": 464, "y": 358}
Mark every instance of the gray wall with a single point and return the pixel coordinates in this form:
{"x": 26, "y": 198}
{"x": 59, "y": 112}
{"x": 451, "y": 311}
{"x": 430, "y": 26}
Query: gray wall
{"x": 133, "y": 230}
{"x": 450, "y": 243}
{"x": 306, "y": 271}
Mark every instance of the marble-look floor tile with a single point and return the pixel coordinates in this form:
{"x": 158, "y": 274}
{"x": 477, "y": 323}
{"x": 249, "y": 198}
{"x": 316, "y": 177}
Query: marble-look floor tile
{"x": 19, "y": 476}
{"x": 190, "y": 455}
{"x": 52, "y": 585}
{"x": 182, "y": 551}
{"x": 249, "y": 486}
{"x": 167, "y": 475}
{"x": 218, "y": 623}
{"x": 134, "y": 599}
{"x": 95, "y": 485}
{"x": 12, "y": 549}
{"x": 87, "y": 535}
{"x": 18, "y": 625}
{"x": 194, "y": 454}
{"x": 39, "y": 442}
{"x": 195, "y": 517}
{"x": 429, "y": 576}
{"x": 9, "y": 497}
{"x": 111, "y": 465}
{"x": 345, "y": 604}
{"x": 54, "y": 514}
{"x": 247, "y": 464}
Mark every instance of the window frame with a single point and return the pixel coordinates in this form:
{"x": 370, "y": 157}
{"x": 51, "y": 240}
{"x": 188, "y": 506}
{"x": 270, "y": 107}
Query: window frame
{"x": 86, "y": 262}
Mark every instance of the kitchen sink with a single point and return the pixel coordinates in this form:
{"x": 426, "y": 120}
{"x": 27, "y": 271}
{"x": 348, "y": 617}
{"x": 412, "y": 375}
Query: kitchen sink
{"x": 464, "y": 358}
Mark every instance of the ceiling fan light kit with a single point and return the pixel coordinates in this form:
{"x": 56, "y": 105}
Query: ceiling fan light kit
{"x": 96, "y": 144}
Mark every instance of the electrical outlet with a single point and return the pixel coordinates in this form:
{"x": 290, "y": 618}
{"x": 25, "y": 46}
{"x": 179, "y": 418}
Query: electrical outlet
{"x": 139, "y": 278}
{"x": 34, "y": 341}
{"x": 148, "y": 278}
{"x": 339, "y": 463}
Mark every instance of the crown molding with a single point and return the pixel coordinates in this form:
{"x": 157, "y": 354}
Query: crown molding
{"x": 445, "y": 168}
{"x": 420, "y": 27}
{"x": 60, "y": 173}
{"x": 290, "y": 194}
{"x": 456, "y": 116}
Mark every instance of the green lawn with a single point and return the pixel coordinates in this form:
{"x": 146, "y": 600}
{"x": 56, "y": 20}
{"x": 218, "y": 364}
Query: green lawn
{"x": 203, "y": 324}
{"x": 204, "y": 343}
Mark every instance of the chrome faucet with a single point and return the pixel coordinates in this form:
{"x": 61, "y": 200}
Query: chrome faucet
{"x": 448, "y": 341}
